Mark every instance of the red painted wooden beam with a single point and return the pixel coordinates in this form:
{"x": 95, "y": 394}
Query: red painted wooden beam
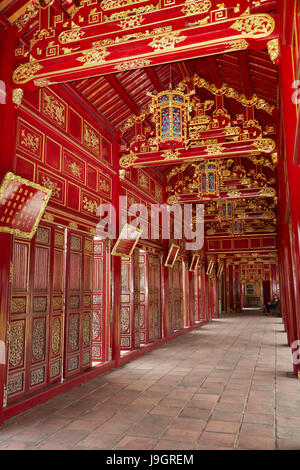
{"x": 244, "y": 71}
{"x": 214, "y": 71}
{"x": 13, "y": 7}
{"x": 123, "y": 93}
{"x": 153, "y": 77}
{"x": 89, "y": 107}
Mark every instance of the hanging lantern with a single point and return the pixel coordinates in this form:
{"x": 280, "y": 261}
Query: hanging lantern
{"x": 237, "y": 227}
{"x": 170, "y": 111}
{"x": 226, "y": 210}
{"x": 207, "y": 174}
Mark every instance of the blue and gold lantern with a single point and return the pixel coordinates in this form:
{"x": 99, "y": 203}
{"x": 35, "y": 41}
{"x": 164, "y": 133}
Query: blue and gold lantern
{"x": 207, "y": 174}
{"x": 171, "y": 115}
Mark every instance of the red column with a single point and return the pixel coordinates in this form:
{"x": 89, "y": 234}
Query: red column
{"x": 165, "y": 295}
{"x": 7, "y": 148}
{"x": 290, "y": 214}
{"x": 116, "y": 267}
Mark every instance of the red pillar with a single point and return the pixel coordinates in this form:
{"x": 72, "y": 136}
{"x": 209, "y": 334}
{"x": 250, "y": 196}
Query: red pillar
{"x": 291, "y": 213}
{"x": 7, "y": 148}
{"x": 116, "y": 268}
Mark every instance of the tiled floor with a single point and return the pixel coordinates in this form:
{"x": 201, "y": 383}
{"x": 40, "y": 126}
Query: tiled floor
{"x": 225, "y": 385}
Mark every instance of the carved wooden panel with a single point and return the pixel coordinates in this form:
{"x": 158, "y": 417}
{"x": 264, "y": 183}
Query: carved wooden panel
{"x": 126, "y": 304}
{"x": 144, "y": 324}
{"x": 154, "y": 290}
{"x": 176, "y": 314}
{"x": 78, "y": 341}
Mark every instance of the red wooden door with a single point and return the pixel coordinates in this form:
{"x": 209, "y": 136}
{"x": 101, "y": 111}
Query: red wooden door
{"x": 36, "y": 312}
{"x": 78, "y": 324}
{"x": 154, "y": 297}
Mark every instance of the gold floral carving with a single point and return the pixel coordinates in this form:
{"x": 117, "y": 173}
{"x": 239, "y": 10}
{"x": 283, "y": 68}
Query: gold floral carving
{"x": 115, "y": 4}
{"x": 130, "y": 12}
{"x": 31, "y": 12}
{"x": 128, "y": 23}
{"x": 194, "y": 7}
{"x": 75, "y": 169}
{"x": 132, "y": 64}
{"x": 30, "y": 141}
{"x": 170, "y": 155}
{"x": 91, "y": 139}
{"x": 167, "y": 41}
{"x": 265, "y": 145}
{"x": 234, "y": 193}
{"x": 16, "y": 343}
{"x": 104, "y": 186}
{"x": 53, "y": 109}
{"x": 214, "y": 149}
{"x": 41, "y": 82}
{"x": 26, "y": 72}
{"x": 268, "y": 192}
{"x": 93, "y": 56}
{"x": 56, "y": 334}
{"x": 89, "y": 205}
{"x": 273, "y": 49}
{"x": 18, "y": 304}
{"x": 51, "y": 185}
{"x": 172, "y": 200}
{"x": 57, "y": 303}
{"x": 17, "y": 96}
{"x": 70, "y": 36}
{"x": 73, "y": 225}
{"x": 38, "y": 339}
{"x": 255, "y": 25}
{"x": 239, "y": 45}
{"x": 127, "y": 160}
{"x": 86, "y": 333}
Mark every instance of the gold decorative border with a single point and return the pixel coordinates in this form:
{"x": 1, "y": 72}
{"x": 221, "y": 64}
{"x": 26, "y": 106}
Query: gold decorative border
{"x": 19, "y": 233}
{"x": 125, "y": 227}
{"x": 196, "y": 265}
{"x": 169, "y": 254}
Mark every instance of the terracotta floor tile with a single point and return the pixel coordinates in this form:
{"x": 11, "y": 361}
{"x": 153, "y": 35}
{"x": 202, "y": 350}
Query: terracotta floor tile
{"x": 135, "y": 443}
{"x": 175, "y": 434}
{"x": 173, "y": 445}
{"x": 217, "y": 439}
{"x": 226, "y": 427}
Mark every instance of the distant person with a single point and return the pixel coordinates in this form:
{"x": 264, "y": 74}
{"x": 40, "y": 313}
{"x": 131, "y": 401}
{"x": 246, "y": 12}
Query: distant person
{"x": 272, "y": 305}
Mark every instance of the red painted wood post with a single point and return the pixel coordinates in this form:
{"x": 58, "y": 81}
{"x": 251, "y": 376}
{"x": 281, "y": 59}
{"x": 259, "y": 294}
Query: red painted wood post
{"x": 116, "y": 268}
{"x": 165, "y": 297}
{"x": 7, "y": 148}
{"x": 289, "y": 123}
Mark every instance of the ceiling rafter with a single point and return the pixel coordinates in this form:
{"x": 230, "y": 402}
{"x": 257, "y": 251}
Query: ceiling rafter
{"x": 155, "y": 80}
{"x": 244, "y": 71}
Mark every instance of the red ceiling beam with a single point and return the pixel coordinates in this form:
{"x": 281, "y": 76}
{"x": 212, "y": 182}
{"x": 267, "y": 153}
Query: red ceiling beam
{"x": 153, "y": 77}
{"x": 214, "y": 71}
{"x": 13, "y": 7}
{"x": 123, "y": 93}
{"x": 245, "y": 73}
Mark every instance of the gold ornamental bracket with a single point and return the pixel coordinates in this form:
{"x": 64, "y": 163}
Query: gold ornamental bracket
{"x": 22, "y": 205}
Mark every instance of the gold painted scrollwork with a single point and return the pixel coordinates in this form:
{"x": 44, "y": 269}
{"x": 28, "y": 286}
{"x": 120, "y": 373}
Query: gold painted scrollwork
{"x": 26, "y": 72}
{"x": 127, "y": 160}
{"x": 255, "y": 25}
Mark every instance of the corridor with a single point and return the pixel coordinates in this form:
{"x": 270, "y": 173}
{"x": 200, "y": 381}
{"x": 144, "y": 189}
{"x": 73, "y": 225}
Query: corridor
{"x": 225, "y": 385}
